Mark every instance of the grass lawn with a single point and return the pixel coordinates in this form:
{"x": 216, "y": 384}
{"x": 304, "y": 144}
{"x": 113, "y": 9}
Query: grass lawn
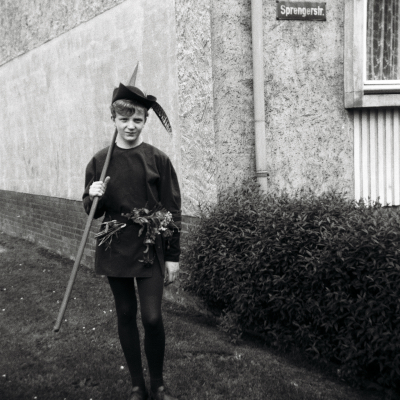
{"x": 84, "y": 359}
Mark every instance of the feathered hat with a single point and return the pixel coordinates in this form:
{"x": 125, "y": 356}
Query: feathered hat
{"x": 131, "y": 92}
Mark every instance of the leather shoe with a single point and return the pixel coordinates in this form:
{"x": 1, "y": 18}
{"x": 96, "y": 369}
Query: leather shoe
{"x": 138, "y": 394}
{"x": 161, "y": 395}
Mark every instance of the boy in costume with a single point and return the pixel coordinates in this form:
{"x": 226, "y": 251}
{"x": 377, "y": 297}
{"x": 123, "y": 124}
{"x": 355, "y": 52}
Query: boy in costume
{"x": 140, "y": 177}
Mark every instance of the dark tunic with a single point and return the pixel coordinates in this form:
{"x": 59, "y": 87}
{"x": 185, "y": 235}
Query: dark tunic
{"x": 139, "y": 177}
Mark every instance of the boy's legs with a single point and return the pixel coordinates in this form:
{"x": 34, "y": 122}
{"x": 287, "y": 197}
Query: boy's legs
{"x": 123, "y": 290}
{"x": 150, "y": 295}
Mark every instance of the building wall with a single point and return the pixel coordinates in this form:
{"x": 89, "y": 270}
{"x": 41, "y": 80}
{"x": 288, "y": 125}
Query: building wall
{"x": 309, "y": 133}
{"x": 57, "y": 97}
{"x": 60, "y": 89}
{"x": 25, "y": 25}
{"x": 208, "y": 48}
{"x": 58, "y": 65}
{"x": 53, "y": 223}
{"x": 60, "y": 60}
{"x": 196, "y": 106}
{"x": 233, "y": 91}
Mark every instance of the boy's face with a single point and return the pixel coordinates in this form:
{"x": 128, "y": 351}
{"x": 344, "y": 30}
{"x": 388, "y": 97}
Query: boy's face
{"x": 130, "y": 128}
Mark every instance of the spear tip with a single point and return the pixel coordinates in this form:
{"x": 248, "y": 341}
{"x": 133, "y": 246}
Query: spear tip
{"x": 132, "y": 81}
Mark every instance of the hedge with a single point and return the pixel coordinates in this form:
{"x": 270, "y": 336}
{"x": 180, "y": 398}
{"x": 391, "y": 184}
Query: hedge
{"x": 318, "y": 272}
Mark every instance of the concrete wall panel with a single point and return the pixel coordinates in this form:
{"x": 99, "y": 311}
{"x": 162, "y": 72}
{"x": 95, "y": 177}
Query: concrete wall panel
{"x": 233, "y": 91}
{"x": 25, "y": 25}
{"x": 310, "y": 134}
{"x": 196, "y": 58}
{"x": 196, "y": 109}
{"x": 55, "y": 98}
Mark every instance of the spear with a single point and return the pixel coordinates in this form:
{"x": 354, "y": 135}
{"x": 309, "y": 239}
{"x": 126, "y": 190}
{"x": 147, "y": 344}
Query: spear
{"x": 88, "y": 225}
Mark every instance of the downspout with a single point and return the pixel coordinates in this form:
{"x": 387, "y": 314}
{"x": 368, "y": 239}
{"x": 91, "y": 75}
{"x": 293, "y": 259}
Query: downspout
{"x": 258, "y": 90}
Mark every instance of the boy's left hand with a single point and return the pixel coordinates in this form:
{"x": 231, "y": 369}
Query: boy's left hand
{"x": 172, "y": 268}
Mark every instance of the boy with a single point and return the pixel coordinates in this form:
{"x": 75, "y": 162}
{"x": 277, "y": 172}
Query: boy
{"x": 139, "y": 175}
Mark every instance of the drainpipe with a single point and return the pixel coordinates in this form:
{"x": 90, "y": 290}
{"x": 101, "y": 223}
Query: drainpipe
{"x": 258, "y": 90}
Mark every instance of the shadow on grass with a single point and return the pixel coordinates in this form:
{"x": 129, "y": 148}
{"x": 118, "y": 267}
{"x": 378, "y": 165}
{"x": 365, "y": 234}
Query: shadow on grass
{"x": 84, "y": 359}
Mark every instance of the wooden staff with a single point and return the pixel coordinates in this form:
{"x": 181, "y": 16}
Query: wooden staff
{"x": 88, "y": 224}
{"x": 84, "y": 239}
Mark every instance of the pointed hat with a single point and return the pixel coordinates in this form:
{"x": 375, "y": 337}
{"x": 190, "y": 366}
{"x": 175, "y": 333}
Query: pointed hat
{"x": 131, "y": 92}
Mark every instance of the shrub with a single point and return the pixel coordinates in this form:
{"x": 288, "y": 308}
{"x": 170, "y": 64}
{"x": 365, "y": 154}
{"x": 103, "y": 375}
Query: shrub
{"x": 317, "y": 272}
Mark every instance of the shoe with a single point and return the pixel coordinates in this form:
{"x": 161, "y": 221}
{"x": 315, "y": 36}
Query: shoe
{"x": 138, "y": 394}
{"x": 161, "y": 395}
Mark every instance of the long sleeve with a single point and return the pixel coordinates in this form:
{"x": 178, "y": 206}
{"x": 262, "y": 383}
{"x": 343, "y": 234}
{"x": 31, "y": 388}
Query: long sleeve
{"x": 170, "y": 198}
{"x": 91, "y": 175}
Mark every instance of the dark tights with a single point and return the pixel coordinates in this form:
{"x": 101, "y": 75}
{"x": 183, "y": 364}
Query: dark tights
{"x": 150, "y": 295}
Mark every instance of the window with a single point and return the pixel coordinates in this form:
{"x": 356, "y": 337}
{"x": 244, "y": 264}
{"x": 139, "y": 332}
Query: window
{"x": 372, "y": 53}
{"x": 372, "y": 89}
{"x": 382, "y": 69}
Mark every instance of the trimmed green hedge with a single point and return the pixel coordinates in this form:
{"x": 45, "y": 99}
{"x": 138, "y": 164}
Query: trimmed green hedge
{"x": 317, "y": 272}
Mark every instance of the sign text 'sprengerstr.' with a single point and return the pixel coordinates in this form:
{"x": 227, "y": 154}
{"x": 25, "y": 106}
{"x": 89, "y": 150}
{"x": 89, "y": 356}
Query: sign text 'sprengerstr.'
{"x": 304, "y": 10}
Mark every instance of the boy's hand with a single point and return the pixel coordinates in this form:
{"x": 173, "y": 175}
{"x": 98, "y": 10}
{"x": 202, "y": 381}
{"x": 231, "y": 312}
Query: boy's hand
{"x": 172, "y": 268}
{"x": 98, "y": 188}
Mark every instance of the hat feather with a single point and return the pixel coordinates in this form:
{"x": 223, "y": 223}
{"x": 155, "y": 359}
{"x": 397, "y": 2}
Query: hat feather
{"x": 161, "y": 114}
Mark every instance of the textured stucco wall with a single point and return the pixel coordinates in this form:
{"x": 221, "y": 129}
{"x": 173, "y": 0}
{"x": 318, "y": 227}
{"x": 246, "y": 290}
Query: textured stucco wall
{"x": 309, "y": 133}
{"x": 58, "y": 48}
{"x": 233, "y": 91}
{"x": 196, "y": 58}
{"x": 56, "y": 97}
{"x": 196, "y": 102}
{"x": 25, "y": 25}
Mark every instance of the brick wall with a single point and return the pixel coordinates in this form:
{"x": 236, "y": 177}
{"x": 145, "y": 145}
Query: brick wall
{"x": 54, "y": 223}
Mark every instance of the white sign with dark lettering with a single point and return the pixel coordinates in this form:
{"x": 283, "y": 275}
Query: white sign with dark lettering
{"x": 301, "y": 10}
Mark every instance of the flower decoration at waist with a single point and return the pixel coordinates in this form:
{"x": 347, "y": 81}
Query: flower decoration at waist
{"x": 157, "y": 221}
{"x": 111, "y": 229}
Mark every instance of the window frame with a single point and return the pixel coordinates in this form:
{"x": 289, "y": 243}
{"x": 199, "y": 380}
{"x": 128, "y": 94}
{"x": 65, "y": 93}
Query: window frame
{"x": 359, "y": 92}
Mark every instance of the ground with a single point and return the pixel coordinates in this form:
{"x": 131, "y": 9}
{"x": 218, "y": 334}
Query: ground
{"x": 84, "y": 359}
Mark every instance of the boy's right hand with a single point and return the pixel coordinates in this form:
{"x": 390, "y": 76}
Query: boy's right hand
{"x": 98, "y": 188}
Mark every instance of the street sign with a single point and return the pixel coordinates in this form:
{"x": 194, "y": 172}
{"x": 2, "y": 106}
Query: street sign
{"x": 301, "y": 10}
